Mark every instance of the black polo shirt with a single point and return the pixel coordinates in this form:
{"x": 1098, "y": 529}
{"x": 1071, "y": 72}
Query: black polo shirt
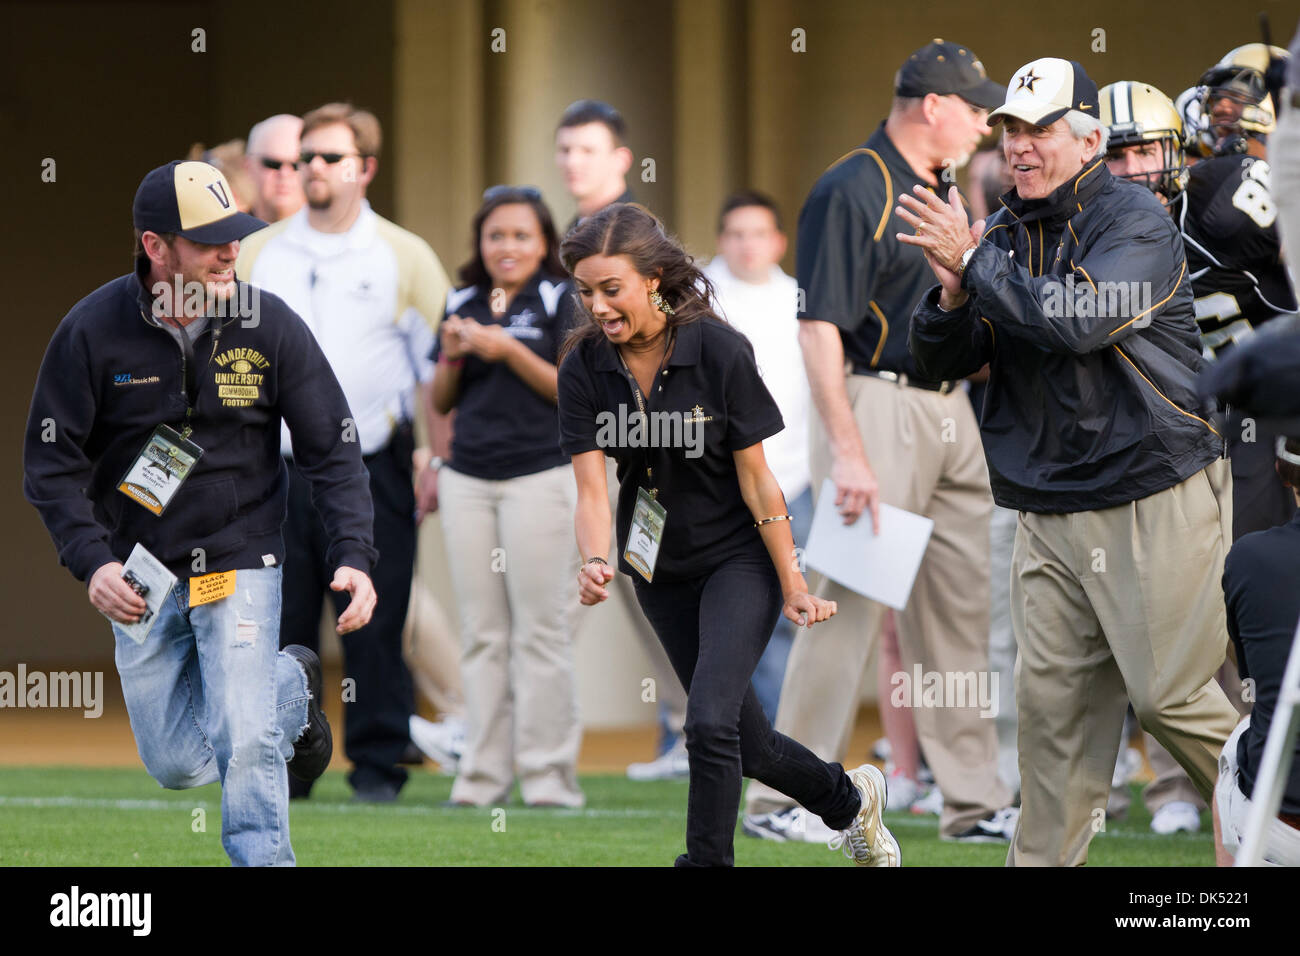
{"x": 711, "y": 378}
{"x": 851, "y": 267}
{"x": 504, "y": 429}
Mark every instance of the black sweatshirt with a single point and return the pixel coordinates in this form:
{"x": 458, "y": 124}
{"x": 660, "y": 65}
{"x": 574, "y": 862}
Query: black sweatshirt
{"x": 112, "y": 374}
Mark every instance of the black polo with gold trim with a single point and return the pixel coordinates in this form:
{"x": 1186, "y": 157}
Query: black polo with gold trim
{"x": 852, "y": 270}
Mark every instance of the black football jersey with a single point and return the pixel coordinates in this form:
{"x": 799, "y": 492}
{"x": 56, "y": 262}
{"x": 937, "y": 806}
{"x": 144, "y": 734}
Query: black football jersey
{"x": 1228, "y": 220}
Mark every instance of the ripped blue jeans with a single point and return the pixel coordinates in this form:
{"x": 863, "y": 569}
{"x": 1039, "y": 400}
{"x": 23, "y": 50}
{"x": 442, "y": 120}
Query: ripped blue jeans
{"x": 212, "y": 698}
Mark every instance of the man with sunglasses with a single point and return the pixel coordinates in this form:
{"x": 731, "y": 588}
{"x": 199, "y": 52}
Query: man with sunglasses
{"x": 271, "y": 159}
{"x": 372, "y": 293}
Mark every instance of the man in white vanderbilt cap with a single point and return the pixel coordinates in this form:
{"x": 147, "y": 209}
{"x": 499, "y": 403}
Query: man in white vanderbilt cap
{"x": 155, "y": 369}
{"x": 1077, "y": 295}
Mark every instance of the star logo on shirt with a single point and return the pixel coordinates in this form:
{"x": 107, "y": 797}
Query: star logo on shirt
{"x": 1027, "y": 81}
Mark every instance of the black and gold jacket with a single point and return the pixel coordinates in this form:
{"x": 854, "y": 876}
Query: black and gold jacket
{"x": 1082, "y": 306}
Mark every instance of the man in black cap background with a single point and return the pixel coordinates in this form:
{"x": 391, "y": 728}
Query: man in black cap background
{"x": 884, "y": 432}
{"x": 1078, "y": 298}
{"x": 181, "y": 362}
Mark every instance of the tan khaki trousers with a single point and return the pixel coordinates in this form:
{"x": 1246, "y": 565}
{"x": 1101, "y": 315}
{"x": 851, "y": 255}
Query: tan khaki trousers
{"x": 1122, "y": 603}
{"x": 513, "y": 558}
{"x": 926, "y": 453}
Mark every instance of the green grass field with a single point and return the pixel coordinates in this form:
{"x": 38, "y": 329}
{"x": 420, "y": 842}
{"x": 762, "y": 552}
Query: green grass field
{"x": 69, "y": 816}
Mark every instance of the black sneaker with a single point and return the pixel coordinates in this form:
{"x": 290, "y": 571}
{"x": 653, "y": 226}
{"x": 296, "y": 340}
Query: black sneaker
{"x": 315, "y": 745}
{"x": 997, "y": 827}
{"x": 375, "y": 793}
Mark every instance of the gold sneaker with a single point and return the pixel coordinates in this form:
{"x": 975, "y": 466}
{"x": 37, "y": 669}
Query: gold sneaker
{"x": 867, "y": 842}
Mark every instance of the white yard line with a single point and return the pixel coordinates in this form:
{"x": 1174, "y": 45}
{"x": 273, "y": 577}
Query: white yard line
{"x": 92, "y": 803}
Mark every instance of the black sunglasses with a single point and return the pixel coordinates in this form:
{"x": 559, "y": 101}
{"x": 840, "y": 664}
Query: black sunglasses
{"x": 305, "y": 158}
{"x": 531, "y": 193}
{"x": 277, "y": 164}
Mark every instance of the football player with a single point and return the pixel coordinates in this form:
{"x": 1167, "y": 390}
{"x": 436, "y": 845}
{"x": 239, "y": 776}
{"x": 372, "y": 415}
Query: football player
{"x": 1222, "y": 204}
{"x": 1236, "y": 102}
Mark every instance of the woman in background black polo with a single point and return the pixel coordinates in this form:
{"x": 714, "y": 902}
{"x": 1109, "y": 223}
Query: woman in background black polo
{"x": 506, "y": 496}
{"x": 725, "y": 567}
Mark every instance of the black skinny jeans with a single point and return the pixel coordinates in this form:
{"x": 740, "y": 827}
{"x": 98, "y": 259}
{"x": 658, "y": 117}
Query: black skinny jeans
{"x": 714, "y": 629}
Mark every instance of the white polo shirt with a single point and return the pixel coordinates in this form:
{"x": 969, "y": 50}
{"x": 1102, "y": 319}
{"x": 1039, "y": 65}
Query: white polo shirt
{"x": 766, "y": 314}
{"x": 373, "y": 296}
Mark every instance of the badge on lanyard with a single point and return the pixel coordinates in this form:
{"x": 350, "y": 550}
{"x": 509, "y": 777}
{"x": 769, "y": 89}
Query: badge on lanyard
{"x": 648, "y": 516}
{"x": 159, "y": 470}
{"x": 645, "y": 535}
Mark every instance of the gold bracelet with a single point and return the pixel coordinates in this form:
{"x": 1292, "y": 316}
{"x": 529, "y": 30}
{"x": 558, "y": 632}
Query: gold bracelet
{"x": 759, "y": 524}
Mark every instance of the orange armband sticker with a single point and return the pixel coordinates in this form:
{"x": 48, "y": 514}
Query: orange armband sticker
{"x": 211, "y": 587}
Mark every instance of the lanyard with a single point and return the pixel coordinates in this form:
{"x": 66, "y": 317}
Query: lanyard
{"x": 642, "y": 402}
{"x": 190, "y": 372}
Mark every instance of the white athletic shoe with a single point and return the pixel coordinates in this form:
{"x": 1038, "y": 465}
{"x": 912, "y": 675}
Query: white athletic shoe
{"x": 442, "y": 742}
{"x": 931, "y": 804}
{"x": 867, "y": 842}
{"x": 1174, "y": 816}
{"x": 1127, "y": 766}
{"x": 998, "y": 827}
{"x": 673, "y": 764}
{"x": 903, "y": 791}
{"x": 793, "y": 825}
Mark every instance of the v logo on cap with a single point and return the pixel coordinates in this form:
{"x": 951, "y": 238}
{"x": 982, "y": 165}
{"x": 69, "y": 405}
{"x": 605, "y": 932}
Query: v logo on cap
{"x": 1027, "y": 81}
{"x": 221, "y": 196}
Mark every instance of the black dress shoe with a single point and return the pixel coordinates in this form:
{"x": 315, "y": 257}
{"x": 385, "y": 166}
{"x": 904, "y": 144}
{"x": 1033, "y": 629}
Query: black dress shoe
{"x": 314, "y": 747}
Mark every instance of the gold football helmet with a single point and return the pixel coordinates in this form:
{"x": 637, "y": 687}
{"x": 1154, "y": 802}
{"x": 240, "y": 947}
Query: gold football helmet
{"x": 1138, "y": 113}
{"x": 1239, "y": 77}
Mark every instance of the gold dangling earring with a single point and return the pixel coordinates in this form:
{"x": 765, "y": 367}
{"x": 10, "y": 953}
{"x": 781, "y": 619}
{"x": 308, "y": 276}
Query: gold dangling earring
{"x": 660, "y": 303}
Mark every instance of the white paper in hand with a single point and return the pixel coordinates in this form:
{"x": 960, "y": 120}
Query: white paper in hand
{"x": 145, "y": 572}
{"x": 880, "y": 566}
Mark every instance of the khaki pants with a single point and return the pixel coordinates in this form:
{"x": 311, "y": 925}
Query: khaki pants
{"x": 1171, "y": 782}
{"x": 1122, "y": 603}
{"x": 513, "y": 558}
{"x": 926, "y": 453}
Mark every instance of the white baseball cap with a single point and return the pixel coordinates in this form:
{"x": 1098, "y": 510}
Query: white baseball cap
{"x": 1043, "y": 91}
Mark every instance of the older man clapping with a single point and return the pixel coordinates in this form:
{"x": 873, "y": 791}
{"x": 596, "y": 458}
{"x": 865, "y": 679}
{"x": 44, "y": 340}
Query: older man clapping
{"x": 1076, "y": 293}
